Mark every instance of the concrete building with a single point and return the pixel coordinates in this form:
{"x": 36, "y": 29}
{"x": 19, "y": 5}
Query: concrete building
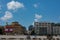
{"x": 43, "y": 28}
{"x": 56, "y": 29}
{"x": 50, "y": 28}
{"x": 40, "y": 28}
{"x": 15, "y": 29}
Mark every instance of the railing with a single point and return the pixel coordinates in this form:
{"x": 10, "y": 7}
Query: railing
{"x": 25, "y": 37}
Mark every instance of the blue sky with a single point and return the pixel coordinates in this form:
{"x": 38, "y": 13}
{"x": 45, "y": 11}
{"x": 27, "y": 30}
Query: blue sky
{"x": 25, "y": 11}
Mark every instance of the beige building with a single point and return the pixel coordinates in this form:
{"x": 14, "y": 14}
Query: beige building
{"x": 15, "y": 29}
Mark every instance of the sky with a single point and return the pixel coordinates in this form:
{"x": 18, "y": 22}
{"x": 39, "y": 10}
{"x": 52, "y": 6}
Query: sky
{"x": 28, "y": 11}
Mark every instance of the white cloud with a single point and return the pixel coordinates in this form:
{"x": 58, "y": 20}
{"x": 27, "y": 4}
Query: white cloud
{"x": 36, "y": 20}
{"x": 37, "y": 17}
{"x": 7, "y": 16}
{"x": 14, "y": 5}
{"x": 36, "y": 5}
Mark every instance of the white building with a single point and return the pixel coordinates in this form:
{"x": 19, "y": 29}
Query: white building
{"x": 56, "y": 30}
{"x": 43, "y": 27}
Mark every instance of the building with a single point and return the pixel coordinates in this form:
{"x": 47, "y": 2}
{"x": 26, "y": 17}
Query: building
{"x": 8, "y": 29}
{"x": 50, "y": 28}
{"x": 56, "y": 29}
{"x": 43, "y": 28}
{"x": 40, "y": 28}
{"x": 15, "y": 29}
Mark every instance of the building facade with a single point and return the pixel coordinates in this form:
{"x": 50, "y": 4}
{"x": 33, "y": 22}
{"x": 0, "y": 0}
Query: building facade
{"x": 14, "y": 29}
{"x": 43, "y": 28}
{"x": 56, "y": 29}
{"x": 48, "y": 28}
{"x": 40, "y": 28}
